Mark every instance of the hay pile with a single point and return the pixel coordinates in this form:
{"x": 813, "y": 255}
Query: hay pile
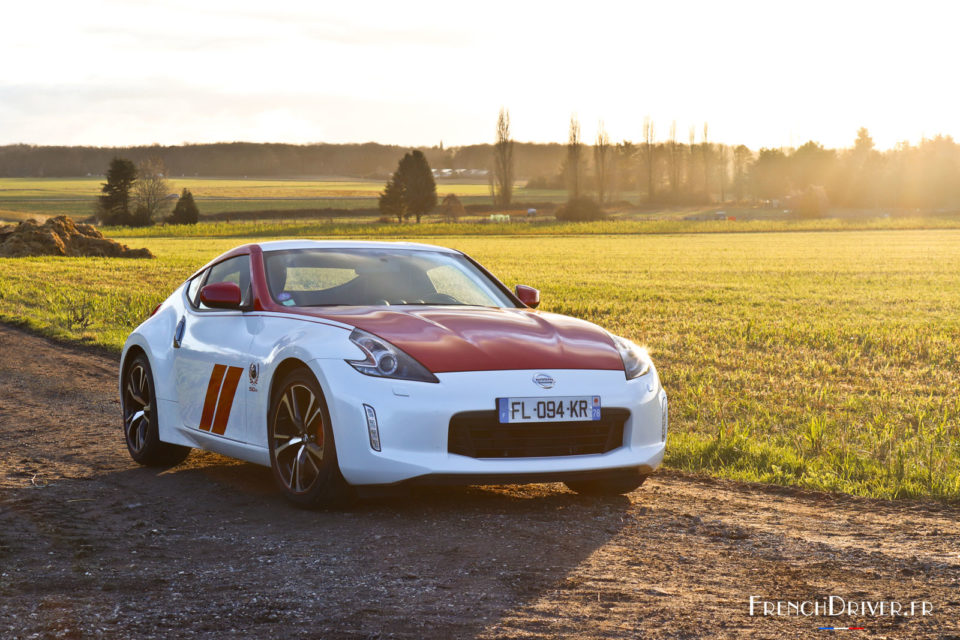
{"x": 60, "y": 236}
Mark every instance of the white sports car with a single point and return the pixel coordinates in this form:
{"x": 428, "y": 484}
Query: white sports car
{"x": 350, "y": 364}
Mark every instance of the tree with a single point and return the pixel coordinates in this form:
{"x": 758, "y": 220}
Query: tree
{"x": 418, "y": 190}
{"x": 601, "y": 153}
{"x": 624, "y": 158}
{"x": 741, "y": 156}
{"x": 452, "y": 208}
{"x": 863, "y": 172}
{"x": 186, "y": 211}
{"x": 863, "y": 145}
{"x": 673, "y": 160}
{"x": 691, "y": 160}
{"x": 723, "y": 161}
{"x": 811, "y": 164}
{"x": 392, "y": 203}
{"x": 574, "y": 159}
{"x": 113, "y": 207}
{"x": 648, "y": 156}
{"x": 151, "y": 192}
{"x": 706, "y": 150}
{"x": 769, "y": 174}
{"x": 503, "y": 162}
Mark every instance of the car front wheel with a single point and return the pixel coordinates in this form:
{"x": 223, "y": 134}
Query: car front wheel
{"x": 303, "y": 455}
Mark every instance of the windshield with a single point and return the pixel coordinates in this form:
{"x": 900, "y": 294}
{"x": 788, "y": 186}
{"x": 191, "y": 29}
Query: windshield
{"x": 378, "y": 277}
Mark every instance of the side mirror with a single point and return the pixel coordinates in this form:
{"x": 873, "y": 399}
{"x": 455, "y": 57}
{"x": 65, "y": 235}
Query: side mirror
{"x": 528, "y": 295}
{"x": 221, "y": 295}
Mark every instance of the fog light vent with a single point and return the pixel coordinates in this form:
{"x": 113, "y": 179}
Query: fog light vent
{"x": 372, "y": 428}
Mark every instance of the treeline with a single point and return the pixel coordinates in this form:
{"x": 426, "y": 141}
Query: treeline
{"x": 808, "y": 178}
{"x": 245, "y": 159}
{"x": 662, "y": 172}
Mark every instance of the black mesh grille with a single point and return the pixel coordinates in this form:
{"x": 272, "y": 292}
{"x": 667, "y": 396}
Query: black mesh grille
{"x": 479, "y": 434}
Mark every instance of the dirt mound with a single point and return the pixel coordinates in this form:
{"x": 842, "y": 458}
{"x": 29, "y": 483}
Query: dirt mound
{"x": 60, "y": 236}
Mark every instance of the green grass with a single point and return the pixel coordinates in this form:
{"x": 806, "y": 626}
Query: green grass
{"x": 221, "y": 188}
{"x": 828, "y": 360}
{"x": 76, "y": 196}
{"x": 432, "y": 227}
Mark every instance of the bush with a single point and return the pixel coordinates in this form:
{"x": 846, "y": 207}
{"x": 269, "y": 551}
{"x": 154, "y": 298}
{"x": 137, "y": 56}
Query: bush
{"x": 141, "y": 218}
{"x": 186, "y": 211}
{"x": 813, "y": 202}
{"x": 452, "y": 208}
{"x": 545, "y": 182}
{"x": 580, "y": 210}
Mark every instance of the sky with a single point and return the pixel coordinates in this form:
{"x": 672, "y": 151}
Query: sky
{"x": 765, "y": 73}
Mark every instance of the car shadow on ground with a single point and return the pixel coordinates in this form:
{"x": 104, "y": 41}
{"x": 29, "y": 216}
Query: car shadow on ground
{"x": 212, "y": 546}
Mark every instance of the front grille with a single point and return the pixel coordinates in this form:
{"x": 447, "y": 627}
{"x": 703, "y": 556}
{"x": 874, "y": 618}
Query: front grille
{"x": 479, "y": 434}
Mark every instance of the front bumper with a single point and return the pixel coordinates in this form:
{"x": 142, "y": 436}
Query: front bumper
{"x": 414, "y": 417}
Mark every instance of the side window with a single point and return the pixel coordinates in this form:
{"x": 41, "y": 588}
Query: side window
{"x": 193, "y": 289}
{"x": 236, "y": 270}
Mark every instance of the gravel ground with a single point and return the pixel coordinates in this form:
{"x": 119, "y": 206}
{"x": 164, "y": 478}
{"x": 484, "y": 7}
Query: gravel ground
{"x": 91, "y": 545}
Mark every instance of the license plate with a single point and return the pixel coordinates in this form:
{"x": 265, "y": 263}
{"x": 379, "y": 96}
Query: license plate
{"x": 556, "y": 409}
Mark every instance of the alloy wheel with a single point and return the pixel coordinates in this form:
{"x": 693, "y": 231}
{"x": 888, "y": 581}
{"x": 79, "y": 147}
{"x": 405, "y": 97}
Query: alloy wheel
{"x": 297, "y": 437}
{"x": 137, "y": 409}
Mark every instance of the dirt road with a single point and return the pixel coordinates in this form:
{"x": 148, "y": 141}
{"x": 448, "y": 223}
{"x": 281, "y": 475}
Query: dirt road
{"x": 91, "y": 545}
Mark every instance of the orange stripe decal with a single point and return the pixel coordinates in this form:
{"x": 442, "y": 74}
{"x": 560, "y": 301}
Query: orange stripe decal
{"x": 226, "y": 400}
{"x": 213, "y": 390}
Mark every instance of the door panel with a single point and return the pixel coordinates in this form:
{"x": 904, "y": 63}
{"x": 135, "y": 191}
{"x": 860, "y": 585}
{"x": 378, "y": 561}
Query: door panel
{"x": 213, "y": 357}
{"x": 210, "y": 363}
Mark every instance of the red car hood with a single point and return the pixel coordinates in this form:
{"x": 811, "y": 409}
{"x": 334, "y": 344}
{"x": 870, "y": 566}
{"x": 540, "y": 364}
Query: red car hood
{"x": 446, "y": 339}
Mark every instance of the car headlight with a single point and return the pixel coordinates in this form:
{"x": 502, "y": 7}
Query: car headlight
{"x": 383, "y": 360}
{"x": 636, "y": 361}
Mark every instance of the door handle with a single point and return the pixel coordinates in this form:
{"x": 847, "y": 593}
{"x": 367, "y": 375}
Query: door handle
{"x": 178, "y": 333}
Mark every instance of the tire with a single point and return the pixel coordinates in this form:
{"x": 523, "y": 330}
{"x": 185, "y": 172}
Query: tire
{"x": 303, "y": 454}
{"x": 609, "y": 486}
{"x": 138, "y": 401}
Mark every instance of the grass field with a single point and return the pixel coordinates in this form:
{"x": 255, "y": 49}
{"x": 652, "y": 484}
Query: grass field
{"x": 828, "y": 360}
{"x": 251, "y": 229}
{"x": 76, "y": 196}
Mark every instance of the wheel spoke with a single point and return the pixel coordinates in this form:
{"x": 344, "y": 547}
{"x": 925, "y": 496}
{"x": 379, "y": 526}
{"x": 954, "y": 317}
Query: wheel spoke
{"x": 133, "y": 417}
{"x": 309, "y": 458}
{"x": 285, "y": 401}
{"x": 311, "y": 417}
{"x": 309, "y": 412}
{"x": 305, "y": 474}
{"x": 299, "y": 468}
{"x": 297, "y": 417}
{"x": 289, "y": 443}
{"x": 135, "y": 395}
{"x": 293, "y": 474}
{"x": 141, "y": 434}
{"x": 136, "y": 428}
{"x": 315, "y": 451}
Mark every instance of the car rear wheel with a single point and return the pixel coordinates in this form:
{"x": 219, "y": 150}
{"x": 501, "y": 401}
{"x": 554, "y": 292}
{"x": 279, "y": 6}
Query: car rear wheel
{"x": 140, "y": 423}
{"x": 608, "y": 486}
{"x": 303, "y": 455}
